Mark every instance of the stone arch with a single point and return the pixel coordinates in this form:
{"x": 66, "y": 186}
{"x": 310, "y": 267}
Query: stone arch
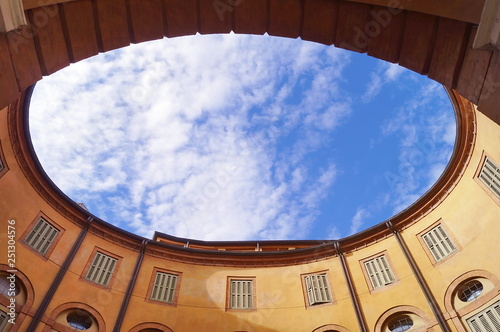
{"x": 429, "y": 323}
{"x": 75, "y": 305}
{"x": 451, "y": 291}
{"x": 331, "y": 328}
{"x": 152, "y": 326}
{"x": 30, "y": 296}
{"x": 30, "y": 291}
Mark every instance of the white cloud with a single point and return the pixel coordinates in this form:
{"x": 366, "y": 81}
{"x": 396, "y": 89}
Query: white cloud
{"x": 425, "y": 144}
{"x": 358, "y": 220}
{"x": 393, "y": 71}
{"x": 164, "y": 137}
{"x": 384, "y": 73}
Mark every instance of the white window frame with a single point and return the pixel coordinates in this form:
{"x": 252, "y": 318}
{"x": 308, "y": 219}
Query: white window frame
{"x": 317, "y": 289}
{"x": 241, "y": 293}
{"x": 164, "y": 287}
{"x": 101, "y": 269}
{"x": 439, "y": 243}
{"x": 42, "y": 236}
{"x": 484, "y": 320}
{"x": 379, "y": 272}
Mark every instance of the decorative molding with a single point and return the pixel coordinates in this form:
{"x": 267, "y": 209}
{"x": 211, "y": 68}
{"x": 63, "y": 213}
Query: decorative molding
{"x": 27, "y": 160}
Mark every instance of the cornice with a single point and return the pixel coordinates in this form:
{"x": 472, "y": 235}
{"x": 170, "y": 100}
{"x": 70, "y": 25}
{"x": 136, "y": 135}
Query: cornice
{"x": 30, "y": 166}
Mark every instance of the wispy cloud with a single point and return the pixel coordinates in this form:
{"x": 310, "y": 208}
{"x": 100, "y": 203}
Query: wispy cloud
{"x": 164, "y": 137}
{"x": 380, "y": 76}
{"x": 425, "y": 144}
{"x": 358, "y": 220}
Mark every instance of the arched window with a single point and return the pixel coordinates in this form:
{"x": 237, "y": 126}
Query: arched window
{"x": 470, "y": 290}
{"x": 400, "y": 324}
{"x": 79, "y": 319}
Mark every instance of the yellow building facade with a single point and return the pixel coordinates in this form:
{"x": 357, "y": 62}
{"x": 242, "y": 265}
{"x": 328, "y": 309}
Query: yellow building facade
{"x": 433, "y": 267}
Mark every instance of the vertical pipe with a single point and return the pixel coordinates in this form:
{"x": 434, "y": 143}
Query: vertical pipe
{"x": 130, "y": 288}
{"x": 59, "y": 277}
{"x": 420, "y": 279}
{"x": 352, "y": 292}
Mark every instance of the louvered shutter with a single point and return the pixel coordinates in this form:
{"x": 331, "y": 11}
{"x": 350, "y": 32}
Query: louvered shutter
{"x": 317, "y": 289}
{"x": 488, "y": 320}
{"x": 490, "y": 176}
{"x": 101, "y": 269}
{"x": 379, "y": 272}
{"x": 164, "y": 287}
{"x": 439, "y": 243}
{"x": 241, "y": 296}
{"x": 41, "y": 236}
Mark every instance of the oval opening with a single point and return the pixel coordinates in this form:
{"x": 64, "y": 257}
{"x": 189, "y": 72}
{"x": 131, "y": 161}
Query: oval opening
{"x": 230, "y": 137}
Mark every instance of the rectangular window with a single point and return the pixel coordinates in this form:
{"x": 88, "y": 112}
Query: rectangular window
{"x": 439, "y": 243}
{"x": 3, "y": 320}
{"x": 241, "y": 294}
{"x": 487, "y": 320}
{"x": 379, "y": 272}
{"x": 41, "y": 236}
{"x": 490, "y": 176}
{"x": 164, "y": 287}
{"x": 317, "y": 288}
{"x": 101, "y": 269}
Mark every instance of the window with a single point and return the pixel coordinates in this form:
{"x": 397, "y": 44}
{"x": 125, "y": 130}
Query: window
{"x": 79, "y": 319}
{"x": 470, "y": 290}
{"x": 8, "y": 288}
{"x": 490, "y": 176}
{"x": 379, "y": 272}
{"x": 400, "y": 324}
{"x": 3, "y": 165}
{"x": 41, "y": 236}
{"x": 318, "y": 291}
{"x": 487, "y": 320}
{"x": 3, "y": 320}
{"x": 439, "y": 243}
{"x": 101, "y": 269}
{"x": 241, "y": 294}
{"x": 164, "y": 287}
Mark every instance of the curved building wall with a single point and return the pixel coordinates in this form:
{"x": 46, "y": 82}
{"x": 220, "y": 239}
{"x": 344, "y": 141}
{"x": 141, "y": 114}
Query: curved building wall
{"x": 406, "y": 280}
{"x": 468, "y": 213}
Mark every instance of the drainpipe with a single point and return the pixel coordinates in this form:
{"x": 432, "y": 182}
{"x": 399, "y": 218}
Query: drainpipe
{"x": 420, "y": 279}
{"x": 59, "y": 277}
{"x": 352, "y": 292}
{"x": 130, "y": 288}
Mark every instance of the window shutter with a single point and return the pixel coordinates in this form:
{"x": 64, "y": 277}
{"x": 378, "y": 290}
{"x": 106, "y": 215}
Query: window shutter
{"x": 379, "y": 272}
{"x": 241, "y": 296}
{"x": 487, "y": 320}
{"x": 101, "y": 269}
{"x": 317, "y": 289}
{"x": 164, "y": 287}
{"x": 309, "y": 289}
{"x": 490, "y": 176}
{"x": 439, "y": 243}
{"x": 3, "y": 320}
{"x": 42, "y": 236}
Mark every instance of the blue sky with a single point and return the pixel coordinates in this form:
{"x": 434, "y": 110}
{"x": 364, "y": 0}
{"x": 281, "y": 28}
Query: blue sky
{"x": 241, "y": 137}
